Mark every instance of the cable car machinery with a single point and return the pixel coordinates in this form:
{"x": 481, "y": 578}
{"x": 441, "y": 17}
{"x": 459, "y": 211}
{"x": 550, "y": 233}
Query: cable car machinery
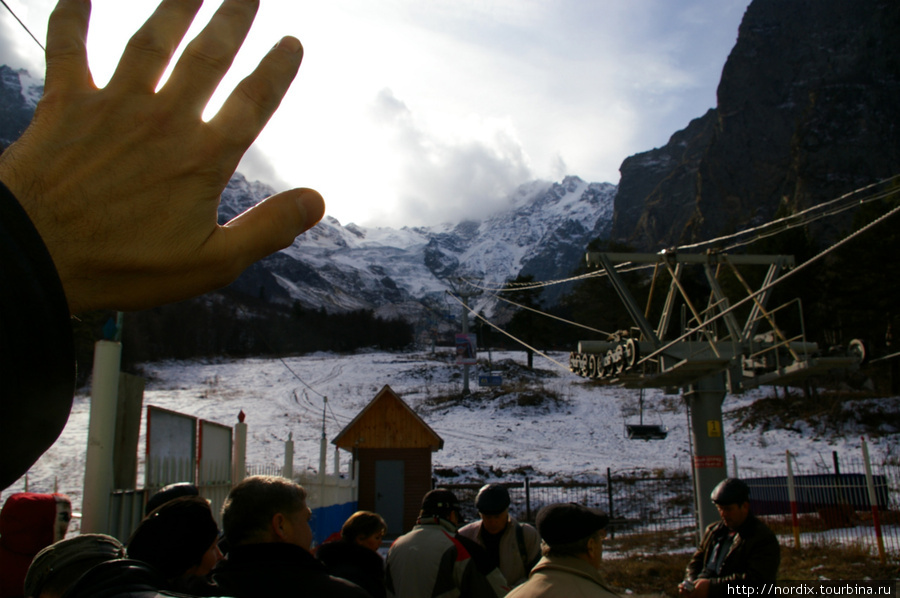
{"x": 714, "y": 353}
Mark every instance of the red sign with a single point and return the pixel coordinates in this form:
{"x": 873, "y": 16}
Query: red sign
{"x": 709, "y": 461}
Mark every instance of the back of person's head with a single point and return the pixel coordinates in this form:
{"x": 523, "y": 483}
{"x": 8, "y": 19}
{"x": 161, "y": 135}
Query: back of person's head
{"x": 362, "y": 524}
{"x": 251, "y": 505}
{"x": 731, "y": 491}
{"x": 175, "y": 537}
{"x": 439, "y": 502}
{"x": 565, "y": 528}
{"x": 492, "y": 499}
{"x": 170, "y": 492}
{"x": 56, "y": 568}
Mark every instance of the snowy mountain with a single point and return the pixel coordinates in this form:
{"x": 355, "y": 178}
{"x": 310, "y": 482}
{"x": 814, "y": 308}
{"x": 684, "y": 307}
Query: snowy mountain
{"x": 543, "y": 232}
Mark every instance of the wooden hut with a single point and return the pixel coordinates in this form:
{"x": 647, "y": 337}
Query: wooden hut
{"x": 393, "y": 447}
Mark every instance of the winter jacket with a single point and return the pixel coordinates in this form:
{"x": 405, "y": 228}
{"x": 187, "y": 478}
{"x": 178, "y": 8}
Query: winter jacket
{"x": 516, "y": 558}
{"x": 29, "y": 522}
{"x": 433, "y": 561}
{"x": 361, "y": 565}
{"x": 279, "y": 569}
{"x": 121, "y": 578}
{"x": 563, "y": 577}
{"x": 37, "y": 354}
{"x": 754, "y": 556}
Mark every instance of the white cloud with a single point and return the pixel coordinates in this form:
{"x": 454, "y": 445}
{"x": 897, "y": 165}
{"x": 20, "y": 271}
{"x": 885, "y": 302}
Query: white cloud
{"x": 444, "y": 179}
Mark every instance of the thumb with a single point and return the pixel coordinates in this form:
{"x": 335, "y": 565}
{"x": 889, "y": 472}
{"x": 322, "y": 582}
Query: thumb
{"x": 272, "y": 224}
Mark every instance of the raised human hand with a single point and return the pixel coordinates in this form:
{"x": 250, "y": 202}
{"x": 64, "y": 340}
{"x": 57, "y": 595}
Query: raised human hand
{"x": 123, "y": 183}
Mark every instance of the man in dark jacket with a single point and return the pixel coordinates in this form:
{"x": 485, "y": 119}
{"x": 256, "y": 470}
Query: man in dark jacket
{"x": 266, "y": 523}
{"x": 738, "y": 548}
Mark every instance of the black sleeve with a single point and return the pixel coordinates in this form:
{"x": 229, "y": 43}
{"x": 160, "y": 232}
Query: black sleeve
{"x": 37, "y": 356}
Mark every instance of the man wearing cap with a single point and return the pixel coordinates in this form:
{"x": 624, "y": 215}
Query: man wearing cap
{"x": 514, "y": 546}
{"x": 738, "y": 548}
{"x": 434, "y": 561}
{"x": 573, "y": 549}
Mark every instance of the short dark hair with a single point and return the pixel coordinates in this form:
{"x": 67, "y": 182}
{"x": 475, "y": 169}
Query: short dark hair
{"x": 362, "y": 524}
{"x": 253, "y": 503}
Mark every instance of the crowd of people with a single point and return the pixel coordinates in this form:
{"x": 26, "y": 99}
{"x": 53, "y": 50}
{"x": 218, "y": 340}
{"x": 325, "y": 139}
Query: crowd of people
{"x": 265, "y": 548}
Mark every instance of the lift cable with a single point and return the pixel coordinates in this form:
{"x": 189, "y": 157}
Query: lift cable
{"x": 497, "y": 328}
{"x": 829, "y": 208}
{"x": 25, "y": 27}
{"x": 549, "y": 315}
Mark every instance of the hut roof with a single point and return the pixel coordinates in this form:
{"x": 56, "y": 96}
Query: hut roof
{"x": 387, "y": 422}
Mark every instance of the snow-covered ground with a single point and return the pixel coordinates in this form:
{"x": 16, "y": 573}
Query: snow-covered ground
{"x": 577, "y": 432}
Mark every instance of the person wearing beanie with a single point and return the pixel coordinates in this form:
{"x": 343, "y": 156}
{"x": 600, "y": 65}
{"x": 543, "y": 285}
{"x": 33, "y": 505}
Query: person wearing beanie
{"x": 170, "y": 492}
{"x": 738, "y": 548}
{"x": 56, "y": 568}
{"x": 514, "y": 547}
{"x": 572, "y": 551}
{"x": 434, "y": 560}
{"x": 179, "y": 539}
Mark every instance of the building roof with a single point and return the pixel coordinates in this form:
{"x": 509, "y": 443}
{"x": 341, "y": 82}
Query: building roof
{"x": 387, "y": 422}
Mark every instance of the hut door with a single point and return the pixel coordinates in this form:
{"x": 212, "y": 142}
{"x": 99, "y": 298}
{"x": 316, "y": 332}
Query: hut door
{"x": 389, "y": 484}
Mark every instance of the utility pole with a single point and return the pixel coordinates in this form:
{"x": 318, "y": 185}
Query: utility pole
{"x": 464, "y": 295}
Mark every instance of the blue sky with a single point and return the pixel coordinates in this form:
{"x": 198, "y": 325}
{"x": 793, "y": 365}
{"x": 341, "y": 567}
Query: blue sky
{"x": 413, "y": 113}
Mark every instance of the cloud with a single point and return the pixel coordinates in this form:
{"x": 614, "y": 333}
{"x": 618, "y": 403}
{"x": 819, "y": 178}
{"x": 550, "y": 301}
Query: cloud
{"x": 443, "y": 178}
{"x": 257, "y": 166}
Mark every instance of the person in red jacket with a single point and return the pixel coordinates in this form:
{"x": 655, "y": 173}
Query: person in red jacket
{"x": 29, "y": 522}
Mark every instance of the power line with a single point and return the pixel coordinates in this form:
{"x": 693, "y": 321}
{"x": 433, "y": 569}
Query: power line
{"x": 25, "y": 27}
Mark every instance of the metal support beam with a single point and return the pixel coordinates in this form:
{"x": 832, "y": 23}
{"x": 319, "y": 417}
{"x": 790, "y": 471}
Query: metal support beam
{"x": 637, "y": 316}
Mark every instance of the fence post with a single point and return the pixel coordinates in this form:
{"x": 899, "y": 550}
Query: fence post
{"x": 527, "y": 500}
{"x": 609, "y": 492}
{"x": 873, "y": 500}
{"x": 792, "y": 497}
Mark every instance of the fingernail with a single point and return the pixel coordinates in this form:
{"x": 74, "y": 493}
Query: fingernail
{"x": 290, "y": 44}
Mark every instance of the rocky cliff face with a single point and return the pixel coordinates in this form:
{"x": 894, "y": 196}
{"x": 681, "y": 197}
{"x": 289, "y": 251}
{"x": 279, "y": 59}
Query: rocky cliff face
{"x": 807, "y": 111}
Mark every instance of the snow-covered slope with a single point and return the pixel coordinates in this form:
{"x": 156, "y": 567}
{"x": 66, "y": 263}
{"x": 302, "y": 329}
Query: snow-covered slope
{"x": 566, "y": 428}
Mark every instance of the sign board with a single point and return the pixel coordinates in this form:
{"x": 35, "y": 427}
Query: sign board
{"x": 214, "y": 463}
{"x": 490, "y": 380}
{"x": 465, "y": 349}
{"x": 709, "y": 462}
{"x": 171, "y": 447}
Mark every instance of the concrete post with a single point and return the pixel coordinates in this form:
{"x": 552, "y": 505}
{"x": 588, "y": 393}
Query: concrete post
{"x": 704, "y": 399}
{"x": 98, "y": 470}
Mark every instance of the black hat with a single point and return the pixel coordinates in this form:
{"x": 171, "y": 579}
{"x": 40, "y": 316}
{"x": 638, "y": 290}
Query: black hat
{"x": 492, "y": 499}
{"x": 174, "y": 537}
{"x": 78, "y": 554}
{"x": 564, "y": 523}
{"x": 731, "y": 491}
{"x": 440, "y": 502}
{"x": 170, "y": 492}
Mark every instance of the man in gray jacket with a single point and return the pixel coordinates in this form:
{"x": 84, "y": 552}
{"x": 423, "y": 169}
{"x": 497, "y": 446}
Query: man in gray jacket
{"x": 514, "y": 546}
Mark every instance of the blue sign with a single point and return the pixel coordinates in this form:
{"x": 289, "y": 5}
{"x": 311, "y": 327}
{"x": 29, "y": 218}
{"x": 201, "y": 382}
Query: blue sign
{"x": 490, "y": 380}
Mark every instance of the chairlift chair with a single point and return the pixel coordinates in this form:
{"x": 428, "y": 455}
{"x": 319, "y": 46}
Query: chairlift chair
{"x": 644, "y": 431}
